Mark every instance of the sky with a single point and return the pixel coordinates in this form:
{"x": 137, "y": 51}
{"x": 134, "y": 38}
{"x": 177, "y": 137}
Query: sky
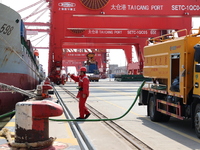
{"x": 116, "y": 56}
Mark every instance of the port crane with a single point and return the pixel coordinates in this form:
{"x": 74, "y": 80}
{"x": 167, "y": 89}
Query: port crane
{"x": 110, "y": 24}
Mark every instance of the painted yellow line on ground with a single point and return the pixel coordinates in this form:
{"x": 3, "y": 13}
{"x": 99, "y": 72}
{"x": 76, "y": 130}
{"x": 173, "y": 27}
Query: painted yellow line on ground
{"x": 180, "y": 133}
{"x": 10, "y": 124}
{"x": 164, "y": 126}
{"x": 69, "y": 131}
{"x": 70, "y": 141}
{"x": 67, "y": 127}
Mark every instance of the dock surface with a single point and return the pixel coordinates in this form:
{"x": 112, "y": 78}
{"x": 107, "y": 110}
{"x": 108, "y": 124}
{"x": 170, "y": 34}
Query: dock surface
{"x": 113, "y": 99}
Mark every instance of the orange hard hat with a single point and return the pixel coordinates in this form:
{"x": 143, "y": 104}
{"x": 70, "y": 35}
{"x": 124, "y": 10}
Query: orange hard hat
{"x": 83, "y": 69}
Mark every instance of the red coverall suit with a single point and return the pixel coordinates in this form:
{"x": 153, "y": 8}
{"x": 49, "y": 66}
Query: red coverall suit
{"x": 83, "y": 82}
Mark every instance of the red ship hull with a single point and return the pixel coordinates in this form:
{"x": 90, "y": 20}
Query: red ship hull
{"x": 9, "y": 99}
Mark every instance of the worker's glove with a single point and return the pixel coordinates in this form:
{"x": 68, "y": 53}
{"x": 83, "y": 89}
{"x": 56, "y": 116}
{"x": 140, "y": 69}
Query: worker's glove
{"x": 79, "y": 88}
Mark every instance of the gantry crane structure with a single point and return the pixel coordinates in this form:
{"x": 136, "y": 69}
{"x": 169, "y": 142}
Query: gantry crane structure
{"x": 113, "y": 24}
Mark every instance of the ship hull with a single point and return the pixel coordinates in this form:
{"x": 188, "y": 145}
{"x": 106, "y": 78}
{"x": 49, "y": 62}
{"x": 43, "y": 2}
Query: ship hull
{"x": 18, "y": 65}
{"x": 9, "y": 99}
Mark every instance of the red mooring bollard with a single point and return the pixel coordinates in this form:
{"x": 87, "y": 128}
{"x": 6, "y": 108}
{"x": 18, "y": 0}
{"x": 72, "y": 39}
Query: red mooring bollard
{"x": 45, "y": 89}
{"x": 46, "y": 86}
{"x": 47, "y": 81}
{"x": 32, "y": 124}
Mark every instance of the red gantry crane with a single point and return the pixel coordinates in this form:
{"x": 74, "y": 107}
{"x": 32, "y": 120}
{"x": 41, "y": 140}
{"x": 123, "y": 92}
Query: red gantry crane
{"x": 111, "y": 24}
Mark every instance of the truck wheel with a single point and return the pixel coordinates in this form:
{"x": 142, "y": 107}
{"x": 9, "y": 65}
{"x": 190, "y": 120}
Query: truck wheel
{"x": 153, "y": 113}
{"x": 197, "y": 120}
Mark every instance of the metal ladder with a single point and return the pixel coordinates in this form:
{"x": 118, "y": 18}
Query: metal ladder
{"x": 4, "y": 88}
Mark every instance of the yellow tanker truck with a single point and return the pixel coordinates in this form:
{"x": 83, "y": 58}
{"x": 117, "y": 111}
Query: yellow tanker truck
{"x": 174, "y": 66}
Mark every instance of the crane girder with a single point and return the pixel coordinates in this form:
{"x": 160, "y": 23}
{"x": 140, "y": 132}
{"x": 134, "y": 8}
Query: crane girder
{"x": 135, "y": 8}
{"x": 37, "y": 24}
{"x": 26, "y": 8}
{"x": 126, "y": 23}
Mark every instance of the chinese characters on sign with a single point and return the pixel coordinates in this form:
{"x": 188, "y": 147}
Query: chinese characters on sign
{"x": 136, "y": 7}
{"x": 123, "y": 7}
{"x": 72, "y": 63}
{"x": 118, "y": 7}
{"x": 79, "y": 55}
{"x": 126, "y": 32}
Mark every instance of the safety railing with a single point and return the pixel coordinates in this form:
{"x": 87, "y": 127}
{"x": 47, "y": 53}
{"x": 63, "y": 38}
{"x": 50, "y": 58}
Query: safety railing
{"x": 165, "y": 37}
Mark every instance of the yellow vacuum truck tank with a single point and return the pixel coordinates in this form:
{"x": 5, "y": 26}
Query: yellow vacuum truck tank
{"x": 170, "y": 60}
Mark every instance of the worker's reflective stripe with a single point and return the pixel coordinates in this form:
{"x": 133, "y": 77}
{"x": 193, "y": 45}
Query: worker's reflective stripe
{"x": 81, "y": 80}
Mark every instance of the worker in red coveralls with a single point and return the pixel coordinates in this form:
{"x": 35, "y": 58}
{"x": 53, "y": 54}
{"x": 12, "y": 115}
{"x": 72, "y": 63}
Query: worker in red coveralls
{"x": 83, "y": 93}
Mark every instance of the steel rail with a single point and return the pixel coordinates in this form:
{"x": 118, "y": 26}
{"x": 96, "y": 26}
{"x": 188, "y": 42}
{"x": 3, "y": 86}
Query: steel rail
{"x": 126, "y": 135}
{"x": 84, "y": 143}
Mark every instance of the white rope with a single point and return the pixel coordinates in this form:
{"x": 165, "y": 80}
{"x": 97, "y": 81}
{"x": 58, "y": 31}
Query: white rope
{"x": 15, "y": 89}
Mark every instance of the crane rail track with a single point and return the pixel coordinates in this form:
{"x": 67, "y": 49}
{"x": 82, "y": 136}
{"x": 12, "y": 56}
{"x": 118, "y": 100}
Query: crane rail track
{"x": 133, "y": 141}
{"x": 84, "y": 143}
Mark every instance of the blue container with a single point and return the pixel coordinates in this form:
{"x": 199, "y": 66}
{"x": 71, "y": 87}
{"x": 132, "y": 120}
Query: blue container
{"x": 92, "y": 68}
{"x": 23, "y": 30}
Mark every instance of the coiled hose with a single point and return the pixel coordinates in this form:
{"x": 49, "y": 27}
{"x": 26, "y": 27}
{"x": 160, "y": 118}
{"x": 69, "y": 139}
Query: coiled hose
{"x": 107, "y": 119}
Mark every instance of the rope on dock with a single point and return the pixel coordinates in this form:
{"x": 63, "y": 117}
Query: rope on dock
{"x": 11, "y": 88}
{"x": 36, "y": 145}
